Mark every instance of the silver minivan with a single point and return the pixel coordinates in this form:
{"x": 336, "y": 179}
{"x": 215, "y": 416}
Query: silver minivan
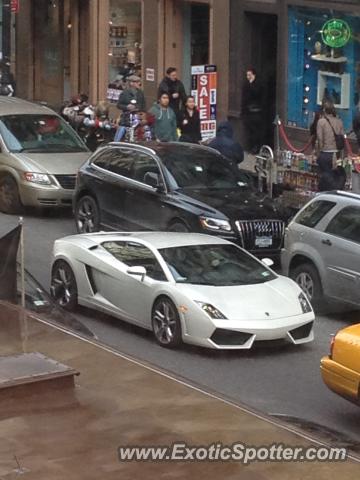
{"x": 322, "y": 248}
{"x": 40, "y": 155}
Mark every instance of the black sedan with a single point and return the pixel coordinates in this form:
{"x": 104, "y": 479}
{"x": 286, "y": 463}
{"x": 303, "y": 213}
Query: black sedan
{"x": 175, "y": 187}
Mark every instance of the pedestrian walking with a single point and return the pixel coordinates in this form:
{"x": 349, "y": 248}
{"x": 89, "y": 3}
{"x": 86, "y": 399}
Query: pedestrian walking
{"x": 330, "y": 137}
{"x": 226, "y": 145}
{"x": 252, "y": 110}
{"x": 164, "y": 120}
{"x": 174, "y": 88}
{"x": 189, "y": 122}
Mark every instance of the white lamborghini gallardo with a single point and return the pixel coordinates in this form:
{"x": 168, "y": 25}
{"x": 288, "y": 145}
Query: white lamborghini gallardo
{"x": 186, "y": 287}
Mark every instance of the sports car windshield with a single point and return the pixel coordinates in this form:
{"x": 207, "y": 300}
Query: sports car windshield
{"x": 39, "y": 134}
{"x": 197, "y": 168}
{"x": 218, "y": 265}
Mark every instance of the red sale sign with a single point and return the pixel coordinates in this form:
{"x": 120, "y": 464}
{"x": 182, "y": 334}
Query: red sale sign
{"x": 204, "y": 86}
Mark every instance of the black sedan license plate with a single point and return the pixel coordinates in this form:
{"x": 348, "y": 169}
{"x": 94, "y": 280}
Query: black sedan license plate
{"x": 263, "y": 242}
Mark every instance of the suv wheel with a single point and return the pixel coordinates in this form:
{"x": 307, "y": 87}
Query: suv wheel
{"x": 308, "y": 279}
{"x": 87, "y": 215}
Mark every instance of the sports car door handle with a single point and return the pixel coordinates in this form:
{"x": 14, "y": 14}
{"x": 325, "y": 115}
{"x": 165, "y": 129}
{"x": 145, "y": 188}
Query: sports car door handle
{"x": 326, "y": 242}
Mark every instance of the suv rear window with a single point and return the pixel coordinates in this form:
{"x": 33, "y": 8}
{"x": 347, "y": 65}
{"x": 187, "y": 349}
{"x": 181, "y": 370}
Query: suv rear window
{"x": 312, "y": 214}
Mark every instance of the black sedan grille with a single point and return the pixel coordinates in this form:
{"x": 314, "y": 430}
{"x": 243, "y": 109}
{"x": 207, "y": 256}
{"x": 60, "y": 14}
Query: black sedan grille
{"x": 261, "y": 234}
{"x": 66, "y": 181}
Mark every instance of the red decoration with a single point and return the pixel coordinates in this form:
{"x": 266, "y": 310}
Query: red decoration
{"x": 15, "y": 6}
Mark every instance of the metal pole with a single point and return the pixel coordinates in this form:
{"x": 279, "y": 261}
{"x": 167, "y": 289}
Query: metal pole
{"x": 24, "y": 325}
{"x": 22, "y": 262}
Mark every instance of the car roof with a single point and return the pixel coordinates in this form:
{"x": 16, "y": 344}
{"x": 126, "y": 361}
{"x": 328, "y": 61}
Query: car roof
{"x": 162, "y": 148}
{"x": 18, "y": 106}
{"x": 340, "y": 194}
{"x": 155, "y": 239}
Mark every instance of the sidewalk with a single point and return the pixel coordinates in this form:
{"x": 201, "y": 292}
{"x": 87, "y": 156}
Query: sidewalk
{"x": 59, "y": 434}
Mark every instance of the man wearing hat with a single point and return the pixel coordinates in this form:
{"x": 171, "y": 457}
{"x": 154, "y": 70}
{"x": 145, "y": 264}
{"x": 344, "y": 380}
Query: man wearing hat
{"x": 132, "y": 99}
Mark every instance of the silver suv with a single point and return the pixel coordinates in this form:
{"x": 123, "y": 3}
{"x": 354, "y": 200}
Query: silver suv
{"x": 322, "y": 248}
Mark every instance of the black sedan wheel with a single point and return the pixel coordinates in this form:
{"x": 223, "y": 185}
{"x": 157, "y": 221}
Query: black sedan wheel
{"x": 9, "y": 195}
{"x": 63, "y": 286}
{"x": 87, "y": 215}
{"x": 166, "y": 323}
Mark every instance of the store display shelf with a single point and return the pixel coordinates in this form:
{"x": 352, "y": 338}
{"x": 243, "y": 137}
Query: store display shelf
{"x": 295, "y": 170}
{"x": 324, "y": 58}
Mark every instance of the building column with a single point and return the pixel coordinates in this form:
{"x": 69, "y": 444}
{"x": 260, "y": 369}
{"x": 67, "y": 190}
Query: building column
{"x": 153, "y": 44}
{"x": 219, "y": 52}
{"x": 24, "y": 69}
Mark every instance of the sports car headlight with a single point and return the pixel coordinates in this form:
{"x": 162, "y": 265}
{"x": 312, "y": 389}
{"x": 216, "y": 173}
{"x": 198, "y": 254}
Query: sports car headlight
{"x": 305, "y": 304}
{"x": 215, "y": 224}
{"x": 211, "y": 311}
{"x": 40, "y": 178}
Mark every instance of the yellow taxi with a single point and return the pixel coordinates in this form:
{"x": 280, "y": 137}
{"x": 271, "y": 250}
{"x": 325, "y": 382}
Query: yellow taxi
{"x": 341, "y": 369}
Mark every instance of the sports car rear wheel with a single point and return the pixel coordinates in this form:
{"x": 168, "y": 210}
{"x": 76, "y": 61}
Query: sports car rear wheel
{"x": 63, "y": 286}
{"x": 166, "y": 323}
{"x": 87, "y": 216}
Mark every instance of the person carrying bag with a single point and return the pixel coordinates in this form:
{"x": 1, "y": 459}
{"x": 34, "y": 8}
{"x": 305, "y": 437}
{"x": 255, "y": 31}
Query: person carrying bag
{"x": 330, "y": 137}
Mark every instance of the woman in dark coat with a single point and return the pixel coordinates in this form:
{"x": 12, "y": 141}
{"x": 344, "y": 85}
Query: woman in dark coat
{"x": 189, "y": 122}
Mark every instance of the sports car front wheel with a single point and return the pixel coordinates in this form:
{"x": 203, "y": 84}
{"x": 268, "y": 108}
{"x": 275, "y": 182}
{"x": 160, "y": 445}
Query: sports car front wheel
{"x": 166, "y": 323}
{"x": 63, "y": 286}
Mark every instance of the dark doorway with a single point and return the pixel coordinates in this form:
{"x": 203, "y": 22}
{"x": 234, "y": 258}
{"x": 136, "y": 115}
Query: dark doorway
{"x": 196, "y": 31}
{"x": 261, "y": 33}
{"x": 200, "y": 18}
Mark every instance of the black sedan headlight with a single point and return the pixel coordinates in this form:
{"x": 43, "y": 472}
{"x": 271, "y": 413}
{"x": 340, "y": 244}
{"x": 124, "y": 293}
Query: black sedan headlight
{"x": 215, "y": 224}
{"x": 212, "y": 311}
{"x": 305, "y": 304}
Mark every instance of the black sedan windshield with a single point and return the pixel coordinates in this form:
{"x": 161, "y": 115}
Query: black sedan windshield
{"x": 39, "y": 134}
{"x": 199, "y": 168}
{"x": 219, "y": 265}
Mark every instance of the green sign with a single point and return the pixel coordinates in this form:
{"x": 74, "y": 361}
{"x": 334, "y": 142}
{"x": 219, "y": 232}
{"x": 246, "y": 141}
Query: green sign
{"x": 336, "y": 33}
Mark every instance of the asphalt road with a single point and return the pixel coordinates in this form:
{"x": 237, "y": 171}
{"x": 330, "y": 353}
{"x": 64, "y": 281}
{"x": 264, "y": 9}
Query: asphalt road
{"x": 280, "y": 381}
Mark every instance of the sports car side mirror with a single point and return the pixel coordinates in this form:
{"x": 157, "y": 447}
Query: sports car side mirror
{"x": 137, "y": 272}
{"x": 268, "y": 262}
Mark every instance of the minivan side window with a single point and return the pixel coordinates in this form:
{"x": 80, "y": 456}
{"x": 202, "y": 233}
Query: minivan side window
{"x": 346, "y": 224}
{"x": 315, "y": 212}
{"x": 134, "y": 254}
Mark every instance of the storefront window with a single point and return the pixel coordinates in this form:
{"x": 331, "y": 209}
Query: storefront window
{"x": 124, "y": 44}
{"x": 323, "y": 64}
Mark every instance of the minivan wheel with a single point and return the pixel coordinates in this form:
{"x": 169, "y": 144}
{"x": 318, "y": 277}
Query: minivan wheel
{"x": 87, "y": 215}
{"x": 308, "y": 279}
{"x": 166, "y": 323}
{"x": 9, "y": 195}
